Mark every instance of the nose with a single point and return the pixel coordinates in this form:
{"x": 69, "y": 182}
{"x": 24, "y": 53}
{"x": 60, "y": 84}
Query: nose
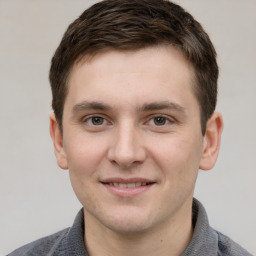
{"x": 127, "y": 147}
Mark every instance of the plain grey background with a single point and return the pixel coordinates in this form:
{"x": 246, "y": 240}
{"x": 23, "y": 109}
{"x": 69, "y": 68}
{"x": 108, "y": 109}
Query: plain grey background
{"x": 36, "y": 196}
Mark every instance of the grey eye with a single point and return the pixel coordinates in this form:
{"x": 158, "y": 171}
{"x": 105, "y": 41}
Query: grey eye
{"x": 159, "y": 120}
{"x": 97, "y": 120}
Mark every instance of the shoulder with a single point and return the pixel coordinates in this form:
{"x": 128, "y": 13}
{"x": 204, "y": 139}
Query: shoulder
{"x": 42, "y": 246}
{"x": 208, "y": 241}
{"x": 227, "y": 247}
{"x": 67, "y": 242}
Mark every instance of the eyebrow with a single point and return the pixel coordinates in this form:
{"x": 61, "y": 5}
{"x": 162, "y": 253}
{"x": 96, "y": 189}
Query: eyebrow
{"x": 90, "y": 105}
{"x": 154, "y": 106}
{"x": 162, "y": 105}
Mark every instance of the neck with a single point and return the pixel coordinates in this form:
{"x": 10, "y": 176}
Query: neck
{"x": 169, "y": 238}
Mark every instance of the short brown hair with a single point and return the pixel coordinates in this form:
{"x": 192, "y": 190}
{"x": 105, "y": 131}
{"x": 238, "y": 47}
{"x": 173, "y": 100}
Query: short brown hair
{"x": 131, "y": 25}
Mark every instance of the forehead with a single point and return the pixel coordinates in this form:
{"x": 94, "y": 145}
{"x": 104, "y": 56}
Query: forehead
{"x": 156, "y": 57}
{"x": 145, "y": 74}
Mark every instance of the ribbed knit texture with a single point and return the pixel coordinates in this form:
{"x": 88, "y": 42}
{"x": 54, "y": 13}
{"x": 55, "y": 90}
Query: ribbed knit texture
{"x": 70, "y": 242}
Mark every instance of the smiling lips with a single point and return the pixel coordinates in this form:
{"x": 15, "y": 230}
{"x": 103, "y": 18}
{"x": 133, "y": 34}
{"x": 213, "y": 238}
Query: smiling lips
{"x": 127, "y": 188}
{"x": 128, "y": 185}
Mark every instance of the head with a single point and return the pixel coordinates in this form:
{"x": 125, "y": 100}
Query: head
{"x": 134, "y": 90}
{"x": 130, "y": 25}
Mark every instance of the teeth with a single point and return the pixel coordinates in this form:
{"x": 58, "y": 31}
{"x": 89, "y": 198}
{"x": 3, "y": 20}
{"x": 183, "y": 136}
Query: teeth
{"x": 128, "y": 185}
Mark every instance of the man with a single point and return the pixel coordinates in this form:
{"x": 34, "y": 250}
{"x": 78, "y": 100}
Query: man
{"x": 134, "y": 86}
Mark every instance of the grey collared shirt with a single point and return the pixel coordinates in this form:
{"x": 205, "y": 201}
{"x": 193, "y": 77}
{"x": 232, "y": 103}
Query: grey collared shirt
{"x": 70, "y": 242}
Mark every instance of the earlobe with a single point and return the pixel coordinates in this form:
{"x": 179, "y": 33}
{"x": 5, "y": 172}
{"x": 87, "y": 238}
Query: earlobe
{"x": 212, "y": 139}
{"x": 57, "y": 139}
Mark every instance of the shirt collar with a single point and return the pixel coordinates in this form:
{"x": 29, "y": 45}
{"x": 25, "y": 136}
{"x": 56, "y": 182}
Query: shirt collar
{"x": 204, "y": 240}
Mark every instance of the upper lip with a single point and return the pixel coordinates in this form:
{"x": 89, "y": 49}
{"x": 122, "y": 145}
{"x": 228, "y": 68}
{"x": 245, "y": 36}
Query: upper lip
{"x": 126, "y": 181}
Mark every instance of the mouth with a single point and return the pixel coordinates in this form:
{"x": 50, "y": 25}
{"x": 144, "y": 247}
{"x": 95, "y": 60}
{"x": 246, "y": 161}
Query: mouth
{"x": 128, "y": 185}
{"x": 127, "y": 188}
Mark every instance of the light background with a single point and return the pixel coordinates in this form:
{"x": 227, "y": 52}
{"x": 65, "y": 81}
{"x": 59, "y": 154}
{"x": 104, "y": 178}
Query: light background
{"x": 36, "y": 198}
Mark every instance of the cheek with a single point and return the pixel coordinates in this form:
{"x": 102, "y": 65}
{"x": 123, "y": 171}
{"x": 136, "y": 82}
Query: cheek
{"x": 178, "y": 157}
{"x": 84, "y": 158}
{"x": 84, "y": 155}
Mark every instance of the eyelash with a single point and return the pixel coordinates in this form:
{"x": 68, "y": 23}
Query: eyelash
{"x": 167, "y": 120}
{"x": 88, "y": 120}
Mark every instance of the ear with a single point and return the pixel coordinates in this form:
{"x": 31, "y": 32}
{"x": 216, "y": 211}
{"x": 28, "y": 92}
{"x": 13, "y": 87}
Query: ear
{"x": 57, "y": 139}
{"x": 212, "y": 138}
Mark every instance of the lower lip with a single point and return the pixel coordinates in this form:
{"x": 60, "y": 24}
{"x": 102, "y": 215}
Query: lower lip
{"x": 127, "y": 192}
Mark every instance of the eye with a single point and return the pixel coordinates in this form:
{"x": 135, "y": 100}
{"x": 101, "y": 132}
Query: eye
{"x": 159, "y": 120}
{"x": 95, "y": 121}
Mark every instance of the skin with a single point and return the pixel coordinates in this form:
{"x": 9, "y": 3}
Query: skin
{"x": 133, "y": 117}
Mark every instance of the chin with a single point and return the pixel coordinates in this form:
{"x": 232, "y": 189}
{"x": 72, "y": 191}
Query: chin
{"x": 127, "y": 221}
{"x": 128, "y": 227}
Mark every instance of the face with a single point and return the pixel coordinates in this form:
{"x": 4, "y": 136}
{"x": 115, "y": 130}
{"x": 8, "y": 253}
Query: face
{"x": 132, "y": 138}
